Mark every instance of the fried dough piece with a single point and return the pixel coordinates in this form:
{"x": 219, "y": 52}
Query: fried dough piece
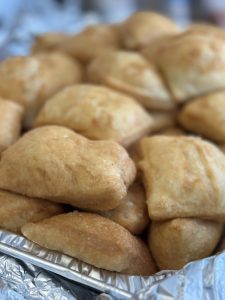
{"x": 98, "y": 113}
{"x": 30, "y": 80}
{"x": 22, "y": 82}
{"x": 153, "y": 51}
{"x": 143, "y": 28}
{"x": 49, "y": 41}
{"x": 205, "y": 116}
{"x": 60, "y": 71}
{"x": 132, "y": 213}
{"x": 91, "y": 42}
{"x": 183, "y": 177}
{"x": 17, "y": 210}
{"x": 193, "y": 63}
{"x": 176, "y": 242}
{"x": 132, "y": 74}
{"x": 10, "y": 122}
{"x": 95, "y": 240}
{"x": 55, "y": 163}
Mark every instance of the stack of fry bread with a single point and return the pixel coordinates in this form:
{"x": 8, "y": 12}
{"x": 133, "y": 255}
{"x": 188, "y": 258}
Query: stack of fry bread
{"x": 112, "y": 144}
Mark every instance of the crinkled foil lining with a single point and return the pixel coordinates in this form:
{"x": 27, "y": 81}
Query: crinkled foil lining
{"x": 25, "y": 266}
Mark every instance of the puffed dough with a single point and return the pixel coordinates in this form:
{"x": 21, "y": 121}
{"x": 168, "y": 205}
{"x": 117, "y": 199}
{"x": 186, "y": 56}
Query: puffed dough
{"x": 132, "y": 213}
{"x": 22, "y": 82}
{"x": 132, "y": 74}
{"x": 95, "y": 240}
{"x": 30, "y": 80}
{"x": 49, "y": 41}
{"x": 55, "y": 163}
{"x": 60, "y": 71}
{"x": 183, "y": 177}
{"x": 205, "y": 116}
{"x": 193, "y": 63}
{"x": 11, "y": 115}
{"x": 96, "y": 112}
{"x": 17, "y": 210}
{"x": 143, "y": 28}
{"x": 92, "y": 42}
{"x": 153, "y": 51}
{"x": 176, "y": 242}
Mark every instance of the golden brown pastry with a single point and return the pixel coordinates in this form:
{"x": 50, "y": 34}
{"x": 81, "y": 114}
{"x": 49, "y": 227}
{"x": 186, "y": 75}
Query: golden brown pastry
{"x": 60, "y": 71}
{"x": 10, "y": 122}
{"x": 143, "y": 28}
{"x": 30, "y": 80}
{"x": 22, "y": 82}
{"x": 132, "y": 213}
{"x": 49, "y": 41}
{"x": 130, "y": 73}
{"x": 193, "y": 63}
{"x": 162, "y": 120}
{"x": 205, "y": 116}
{"x": 55, "y": 163}
{"x": 183, "y": 177}
{"x": 95, "y": 240}
{"x": 96, "y": 112}
{"x": 153, "y": 51}
{"x": 91, "y": 42}
{"x": 17, "y": 210}
{"x": 176, "y": 242}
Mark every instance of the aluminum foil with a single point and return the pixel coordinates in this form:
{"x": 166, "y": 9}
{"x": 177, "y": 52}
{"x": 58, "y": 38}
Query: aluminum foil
{"x": 21, "y": 281}
{"x": 202, "y": 279}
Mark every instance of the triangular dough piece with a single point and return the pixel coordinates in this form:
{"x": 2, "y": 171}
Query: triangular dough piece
{"x": 183, "y": 177}
{"x": 144, "y": 28}
{"x": 17, "y": 210}
{"x": 30, "y": 80}
{"x": 205, "y": 116}
{"x": 95, "y": 240}
{"x": 193, "y": 63}
{"x": 176, "y": 242}
{"x": 131, "y": 74}
{"x": 57, "y": 164}
{"x": 98, "y": 113}
{"x": 59, "y": 71}
{"x": 91, "y": 42}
